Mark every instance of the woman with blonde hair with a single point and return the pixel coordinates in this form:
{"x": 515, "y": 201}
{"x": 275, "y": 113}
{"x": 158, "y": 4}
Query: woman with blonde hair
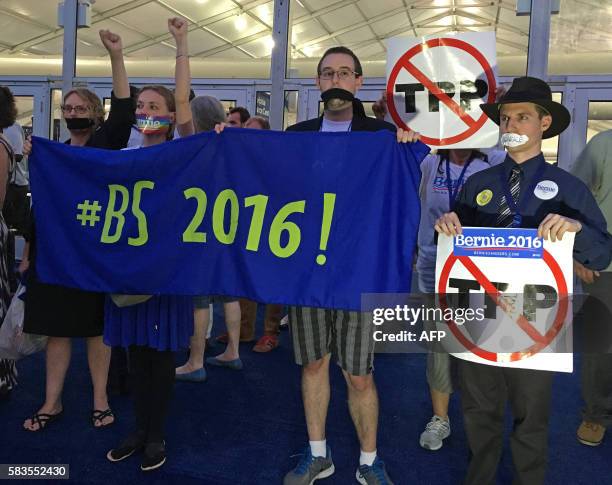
{"x": 65, "y": 313}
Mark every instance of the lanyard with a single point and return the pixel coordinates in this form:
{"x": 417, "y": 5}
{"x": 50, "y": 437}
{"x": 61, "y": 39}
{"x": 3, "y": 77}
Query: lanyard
{"x": 452, "y": 196}
{"x": 524, "y": 197}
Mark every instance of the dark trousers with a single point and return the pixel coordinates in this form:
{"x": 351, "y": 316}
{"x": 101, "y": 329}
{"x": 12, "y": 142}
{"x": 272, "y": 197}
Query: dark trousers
{"x": 484, "y": 392}
{"x": 153, "y": 377}
{"x": 597, "y": 388}
{"x": 118, "y": 372}
{"x": 595, "y": 322}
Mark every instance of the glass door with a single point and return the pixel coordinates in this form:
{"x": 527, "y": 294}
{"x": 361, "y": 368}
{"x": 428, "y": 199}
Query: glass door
{"x": 592, "y": 114}
{"x": 32, "y": 108}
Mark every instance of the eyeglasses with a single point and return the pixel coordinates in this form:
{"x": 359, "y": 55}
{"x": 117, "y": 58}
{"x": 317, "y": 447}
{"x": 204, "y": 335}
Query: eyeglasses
{"x": 342, "y": 74}
{"x": 66, "y": 108}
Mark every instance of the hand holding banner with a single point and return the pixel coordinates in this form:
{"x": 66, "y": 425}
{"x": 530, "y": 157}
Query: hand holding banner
{"x": 308, "y": 219}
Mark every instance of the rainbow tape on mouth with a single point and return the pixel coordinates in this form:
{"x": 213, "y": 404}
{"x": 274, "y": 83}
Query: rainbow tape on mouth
{"x": 149, "y": 125}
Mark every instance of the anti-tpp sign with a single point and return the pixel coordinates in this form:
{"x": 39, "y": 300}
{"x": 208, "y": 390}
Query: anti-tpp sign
{"x": 435, "y": 86}
{"x": 522, "y": 283}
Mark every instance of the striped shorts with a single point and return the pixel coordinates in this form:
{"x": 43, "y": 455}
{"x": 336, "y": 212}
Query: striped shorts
{"x": 347, "y": 335}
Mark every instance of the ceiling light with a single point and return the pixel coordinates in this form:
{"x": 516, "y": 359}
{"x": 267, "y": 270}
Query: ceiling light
{"x": 240, "y": 22}
{"x": 269, "y": 41}
{"x": 309, "y": 50}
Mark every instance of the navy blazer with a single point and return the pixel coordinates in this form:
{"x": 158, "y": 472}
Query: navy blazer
{"x": 570, "y": 198}
{"x": 359, "y": 124}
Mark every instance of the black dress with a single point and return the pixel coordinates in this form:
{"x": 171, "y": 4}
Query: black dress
{"x": 58, "y": 311}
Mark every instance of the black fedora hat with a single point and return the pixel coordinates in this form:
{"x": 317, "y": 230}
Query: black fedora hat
{"x": 532, "y": 90}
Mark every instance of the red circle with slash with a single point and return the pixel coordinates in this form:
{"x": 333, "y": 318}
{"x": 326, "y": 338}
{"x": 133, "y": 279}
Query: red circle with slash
{"x": 540, "y": 341}
{"x": 404, "y": 62}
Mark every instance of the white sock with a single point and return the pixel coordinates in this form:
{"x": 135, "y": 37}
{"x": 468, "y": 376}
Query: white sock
{"x": 318, "y": 448}
{"x": 367, "y": 458}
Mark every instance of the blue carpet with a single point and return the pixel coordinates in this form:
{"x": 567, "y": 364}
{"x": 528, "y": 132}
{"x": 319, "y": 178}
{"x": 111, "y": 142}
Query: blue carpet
{"x": 242, "y": 427}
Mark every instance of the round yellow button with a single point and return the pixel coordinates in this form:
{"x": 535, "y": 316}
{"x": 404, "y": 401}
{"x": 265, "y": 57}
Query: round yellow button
{"x": 484, "y": 197}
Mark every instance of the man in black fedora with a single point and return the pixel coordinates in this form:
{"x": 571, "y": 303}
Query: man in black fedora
{"x": 523, "y": 191}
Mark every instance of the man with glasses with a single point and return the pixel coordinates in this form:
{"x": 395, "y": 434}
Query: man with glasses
{"x": 318, "y": 332}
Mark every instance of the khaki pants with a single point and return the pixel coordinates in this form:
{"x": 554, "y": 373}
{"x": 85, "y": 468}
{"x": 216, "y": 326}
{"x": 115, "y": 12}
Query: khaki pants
{"x": 272, "y": 318}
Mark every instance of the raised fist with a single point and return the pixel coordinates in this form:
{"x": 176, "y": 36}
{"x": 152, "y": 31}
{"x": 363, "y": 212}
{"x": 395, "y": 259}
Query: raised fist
{"x": 177, "y": 27}
{"x": 111, "y": 41}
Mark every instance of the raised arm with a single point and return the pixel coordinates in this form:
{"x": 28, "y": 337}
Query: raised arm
{"x": 178, "y": 28}
{"x": 112, "y": 42}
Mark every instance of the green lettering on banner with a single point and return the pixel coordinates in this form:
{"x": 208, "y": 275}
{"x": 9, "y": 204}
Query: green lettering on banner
{"x": 111, "y": 213}
{"x": 329, "y": 202}
{"x": 143, "y": 233}
{"x": 225, "y": 196}
{"x": 190, "y": 234}
{"x": 279, "y": 224}
{"x": 259, "y": 203}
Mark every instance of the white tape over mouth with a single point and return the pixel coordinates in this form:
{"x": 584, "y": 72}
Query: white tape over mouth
{"x": 513, "y": 140}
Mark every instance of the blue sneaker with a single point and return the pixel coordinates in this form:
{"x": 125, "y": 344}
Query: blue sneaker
{"x": 310, "y": 468}
{"x": 373, "y": 475}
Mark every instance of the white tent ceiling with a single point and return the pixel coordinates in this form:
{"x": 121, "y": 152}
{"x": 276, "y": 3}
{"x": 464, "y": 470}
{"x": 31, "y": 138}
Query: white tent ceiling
{"x": 236, "y": 32}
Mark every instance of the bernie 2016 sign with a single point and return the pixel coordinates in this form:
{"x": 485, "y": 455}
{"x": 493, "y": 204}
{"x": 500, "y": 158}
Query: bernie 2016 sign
{"x": 522, "y": 286}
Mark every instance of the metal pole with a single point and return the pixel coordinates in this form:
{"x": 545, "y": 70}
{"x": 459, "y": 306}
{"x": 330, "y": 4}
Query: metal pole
{"x": 69, "y": 51}
{"x": 539, "y": 37}
{"x": 278, "y": 68}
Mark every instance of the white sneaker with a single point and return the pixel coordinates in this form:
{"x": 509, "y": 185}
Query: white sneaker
{"x": 435, "y": 432}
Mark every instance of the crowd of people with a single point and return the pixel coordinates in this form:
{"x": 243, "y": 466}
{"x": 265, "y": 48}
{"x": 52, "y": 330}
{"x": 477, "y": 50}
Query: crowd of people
{"x": 134, "y": 332}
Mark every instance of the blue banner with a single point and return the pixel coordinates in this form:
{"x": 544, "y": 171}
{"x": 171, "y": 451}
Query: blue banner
{"x": 498, "y": 243}
{"x": 308, "y": 219}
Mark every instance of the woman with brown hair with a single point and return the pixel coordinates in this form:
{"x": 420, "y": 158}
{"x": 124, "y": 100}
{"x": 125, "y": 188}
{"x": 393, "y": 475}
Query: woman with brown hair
{"x": 8, "y": 113}
{"x": 64, "y": 313}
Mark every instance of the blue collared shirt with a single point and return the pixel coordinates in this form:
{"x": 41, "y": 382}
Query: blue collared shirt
{"x": 557, "y": 192}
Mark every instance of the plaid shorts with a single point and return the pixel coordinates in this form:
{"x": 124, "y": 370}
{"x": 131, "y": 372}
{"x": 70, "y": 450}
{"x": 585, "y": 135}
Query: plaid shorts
{"x": 347, "y": 335}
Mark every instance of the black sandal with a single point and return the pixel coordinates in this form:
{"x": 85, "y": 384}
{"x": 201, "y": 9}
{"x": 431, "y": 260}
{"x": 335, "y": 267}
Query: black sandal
{"x": 97, "y": 416}
{"x": 43, "y": 420}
